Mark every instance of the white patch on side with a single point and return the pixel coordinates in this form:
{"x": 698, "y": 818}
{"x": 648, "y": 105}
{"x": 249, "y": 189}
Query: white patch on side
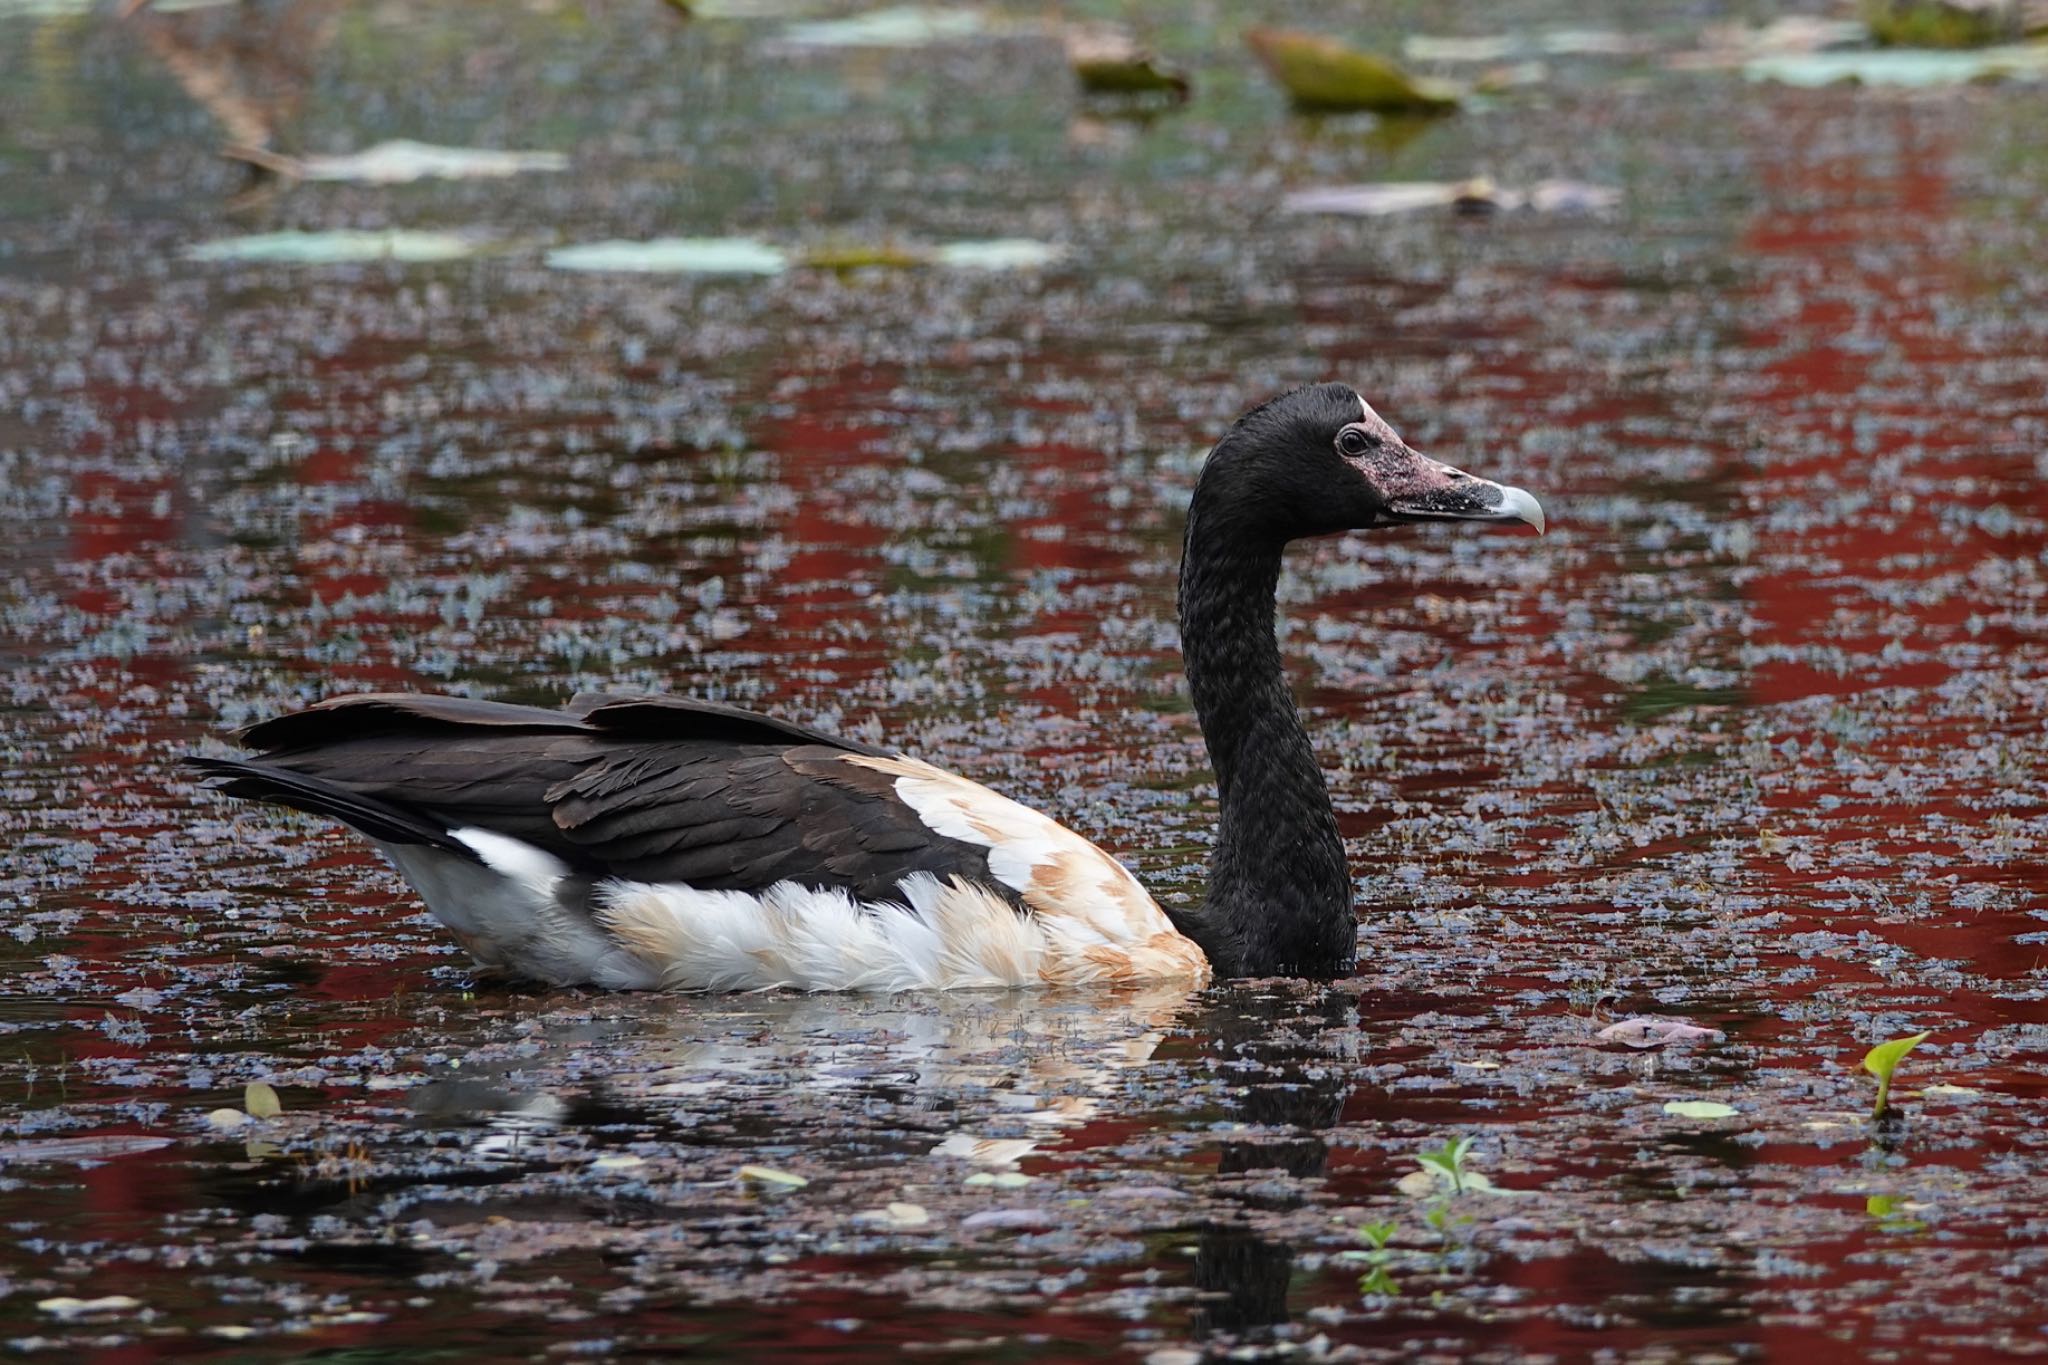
{"x": 519, "y": 911}
{"x": 1100, "y": 922}
{"x": 949, "y": 935}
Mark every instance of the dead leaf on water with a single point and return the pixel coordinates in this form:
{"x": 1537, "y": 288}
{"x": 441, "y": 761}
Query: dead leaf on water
{"x": 1321, "y": 73}
{"x": 1649, "y": 1031}
{"x": 261, "y": 1101}
{"x": 1107, "y": 60}
{"x": 769, "y": 1175}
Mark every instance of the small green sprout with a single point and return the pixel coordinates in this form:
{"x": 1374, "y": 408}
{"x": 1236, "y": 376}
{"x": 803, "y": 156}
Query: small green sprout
{"x": 1450, "y": 1159}
{"x": 1882, "y": 1060}
{"x": 1377, "y": 1279}
{"x": 1893, "y": 1214}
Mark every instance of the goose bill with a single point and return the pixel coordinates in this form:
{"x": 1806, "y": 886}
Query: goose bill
{"x": 1453, "y": 495}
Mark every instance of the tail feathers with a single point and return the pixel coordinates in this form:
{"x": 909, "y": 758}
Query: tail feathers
{"x": 381, "y": 820}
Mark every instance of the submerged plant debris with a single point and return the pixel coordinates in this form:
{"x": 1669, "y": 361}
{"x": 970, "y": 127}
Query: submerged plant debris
{"x": 1749, "y": 754}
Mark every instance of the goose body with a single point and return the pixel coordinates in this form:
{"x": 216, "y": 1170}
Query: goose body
{"x": 660, "y": 842}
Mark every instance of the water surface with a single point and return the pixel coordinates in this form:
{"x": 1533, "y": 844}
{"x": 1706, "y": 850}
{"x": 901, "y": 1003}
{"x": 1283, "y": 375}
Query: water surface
{"x": 1754, "y": 736}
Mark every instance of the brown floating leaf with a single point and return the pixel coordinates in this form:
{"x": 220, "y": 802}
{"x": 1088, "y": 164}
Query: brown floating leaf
{"x": 1649, "y": 1031}
{"x": 1322, "y": 73}
{"x": 1108, "y": 61}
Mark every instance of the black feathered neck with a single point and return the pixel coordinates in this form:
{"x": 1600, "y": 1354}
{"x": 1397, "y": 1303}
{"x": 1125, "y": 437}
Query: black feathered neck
{"x": 1279, "y": 896}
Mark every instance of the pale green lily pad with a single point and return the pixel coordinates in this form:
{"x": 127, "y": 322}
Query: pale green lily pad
{"x": 1909, "y": 68}
{"x": 674, "y": 256}
{"x": 998, "y": 253}
{"x": 1700, "y": 1109}
{"x": 339, "y": 247}
{"x": 401, "y": 162}
{"x": 898, "y": 26}
{"x": 261, "y": 1101}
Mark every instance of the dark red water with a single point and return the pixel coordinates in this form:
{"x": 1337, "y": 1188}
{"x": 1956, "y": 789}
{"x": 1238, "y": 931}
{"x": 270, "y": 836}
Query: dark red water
{"x": 1754, "y": 736}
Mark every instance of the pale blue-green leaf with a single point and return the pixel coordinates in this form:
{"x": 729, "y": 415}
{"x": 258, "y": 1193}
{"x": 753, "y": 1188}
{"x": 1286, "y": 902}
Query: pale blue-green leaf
{"x": 898, "y": 26}
{"x": 1916, "y": 68}
{"x": 998, "y": 253}
{"x": 674, "y": 256}
{"x": 338, "y": 247}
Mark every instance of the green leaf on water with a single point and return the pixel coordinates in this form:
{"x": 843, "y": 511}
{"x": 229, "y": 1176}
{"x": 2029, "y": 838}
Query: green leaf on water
{"x": 998, "y": 253}
{"x": 1700, "y": 1109}
{"x": 340, "y": 247}
{"x": 1911, "y": 68}
{"x": 903, "y": 26}
{"x": 261, "y": 1101}
{"x": 1882, "y": 1060}
{"x": 674, "y": 256}
{"x": 1321, "y": 73}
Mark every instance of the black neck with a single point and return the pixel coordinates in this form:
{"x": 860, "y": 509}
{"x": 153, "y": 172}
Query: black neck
{"x": 1279, "y": 901}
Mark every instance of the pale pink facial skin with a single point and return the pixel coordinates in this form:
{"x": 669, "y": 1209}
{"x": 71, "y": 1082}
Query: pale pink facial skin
{"x": 1416, "y": 488}
{"x": 1401, "y": 475}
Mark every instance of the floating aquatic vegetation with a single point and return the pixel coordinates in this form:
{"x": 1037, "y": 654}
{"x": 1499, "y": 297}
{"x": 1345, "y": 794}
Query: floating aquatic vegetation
{"x": 1700, "y": 1109}
{"x": 1478, "y": 195}
{"x": 1658, "y": 1032}
{"x": 772, "y": 1177}
{"x": 1912, "y": 68}
{"x": 674, "y": 256}
{"x": 401, "y": 162}
{"x": 1555, "y": 42}
{"x": 339, "y": 246}
{"x": 999, "y": 253}
{"x": 1107, "y": 60}
{"x": 1322, "y": 74}
{"x": 902, "y": 26}
{"x": 1943, "y": 23}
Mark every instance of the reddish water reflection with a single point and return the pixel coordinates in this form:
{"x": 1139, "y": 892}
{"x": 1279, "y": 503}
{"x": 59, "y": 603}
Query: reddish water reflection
{"x": 1754, "y": 736}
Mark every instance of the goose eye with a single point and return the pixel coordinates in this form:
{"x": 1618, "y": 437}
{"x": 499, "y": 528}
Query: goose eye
{"x": 1352, "y": 441}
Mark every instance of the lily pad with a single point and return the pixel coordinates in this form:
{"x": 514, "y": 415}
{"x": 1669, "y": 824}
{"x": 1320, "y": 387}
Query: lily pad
{"x": 900, "y": 26}
{"x": 1700, "y": 1109}
{"x": 1478, "y": 195}
{"x": 673, "y": 256}
{"x": 338, "y": 247}
{"x": 261, "y": 1101}
{"x": 1910, "y": 68}
{"x": 999, "y": 253}
{"x": 1321, "y": 73}
{"x": 401, "y": 162}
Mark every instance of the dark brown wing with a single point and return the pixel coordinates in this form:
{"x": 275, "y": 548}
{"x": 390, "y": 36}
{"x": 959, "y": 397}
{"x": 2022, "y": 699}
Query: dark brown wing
{"x": 648, "y": 788}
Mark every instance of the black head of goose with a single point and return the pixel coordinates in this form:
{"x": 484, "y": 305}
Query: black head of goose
{"x": 643, "y": 842}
